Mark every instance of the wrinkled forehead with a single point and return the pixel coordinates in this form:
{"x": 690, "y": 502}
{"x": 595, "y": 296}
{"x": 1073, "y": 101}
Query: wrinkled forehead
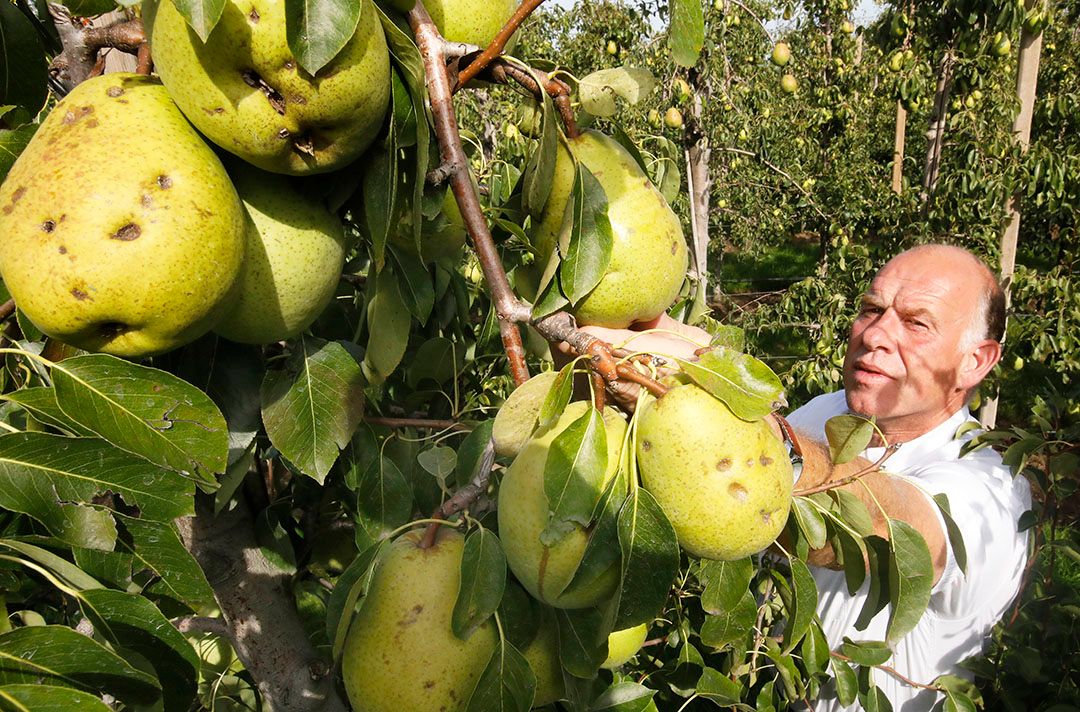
{"x": 927, "y": 281}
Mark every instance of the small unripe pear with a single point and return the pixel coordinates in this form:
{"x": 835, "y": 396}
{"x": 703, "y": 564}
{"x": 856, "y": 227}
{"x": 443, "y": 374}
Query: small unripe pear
{"x": 724, "y": 483}
{"x": 612, "y": 48}
{"x": 781, "y": 54}
{"x": 623, "y": 645}
{"x": 789, "y": 83}
{"x": 673, "y": 118}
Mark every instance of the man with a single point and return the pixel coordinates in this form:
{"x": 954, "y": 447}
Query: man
{"x": 927, "y": 333}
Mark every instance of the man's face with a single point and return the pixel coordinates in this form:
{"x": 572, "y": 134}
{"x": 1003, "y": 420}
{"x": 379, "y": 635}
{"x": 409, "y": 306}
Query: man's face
{"x": 904, "y": 363}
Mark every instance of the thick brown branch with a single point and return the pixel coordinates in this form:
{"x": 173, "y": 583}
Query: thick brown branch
{"x": 499, "y": 42}
{"x": 507, "y": 306}
{"x": 82, "y": 43}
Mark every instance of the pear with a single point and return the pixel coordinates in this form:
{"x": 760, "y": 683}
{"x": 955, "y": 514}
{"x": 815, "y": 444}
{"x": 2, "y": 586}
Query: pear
{"x": 441, "y": 238}
{"x": 400, "y": 653}
{"x": 724, "y": 483}
{"x": 542, "y": 654}
{"x": 516, "y": 419}
{"x": 246, "y": 92}
{"x": 648, "y": 254}
{"x": 130, "y": 257}
{"x": 623, "y": 645}
{"x": 471, "y": 21}
{"x": 295, "y": 251}
{"x": 546, "y": 571}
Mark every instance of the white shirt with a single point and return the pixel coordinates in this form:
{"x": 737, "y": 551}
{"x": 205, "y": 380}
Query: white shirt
{"x": 986, "y": 501}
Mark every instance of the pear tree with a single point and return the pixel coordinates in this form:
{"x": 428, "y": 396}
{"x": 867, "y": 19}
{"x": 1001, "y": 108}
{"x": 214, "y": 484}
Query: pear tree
{"x": 387, "y": 472}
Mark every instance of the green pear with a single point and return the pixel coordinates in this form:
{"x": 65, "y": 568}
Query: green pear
{"x": 295, "y": 251}
{"x": 724, "y": 483}
{"x": 781, "y": 54}
{"x": 400, "y": 653}
{"x": 245, "y": 91}
{"x": 516, "y": 419}
{"x": 121, "y": 230}
{"x": 546, "y": 571}
{"x": 441, "y": 238}
{"x": 542, "y": 654}
{"x": 648, "y": 253}
{"x": 623, "y": 645}
{"x": 471, "y": 21}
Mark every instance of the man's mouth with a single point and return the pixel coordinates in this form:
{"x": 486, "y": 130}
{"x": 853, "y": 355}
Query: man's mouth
{"x": 866, "y": 372}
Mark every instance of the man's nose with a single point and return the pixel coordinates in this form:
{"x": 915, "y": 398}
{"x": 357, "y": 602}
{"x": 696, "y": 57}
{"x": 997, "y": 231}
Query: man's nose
{"x": 880, "y": 333}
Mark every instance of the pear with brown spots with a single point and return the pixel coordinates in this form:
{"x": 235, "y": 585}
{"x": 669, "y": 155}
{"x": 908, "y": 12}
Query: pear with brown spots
{"x": 400, "y": 653}
{"x": 119, "y": 228}
{"x": 245, "y": 91}
{"x": 724, "y": 483}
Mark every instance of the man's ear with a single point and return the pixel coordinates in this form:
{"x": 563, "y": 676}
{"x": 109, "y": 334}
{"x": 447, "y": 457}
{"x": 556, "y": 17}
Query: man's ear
{"x": 978, "y": 362}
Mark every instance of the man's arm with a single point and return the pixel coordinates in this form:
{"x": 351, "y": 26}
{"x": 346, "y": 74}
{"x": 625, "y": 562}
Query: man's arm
{"x": 885, "y": 496}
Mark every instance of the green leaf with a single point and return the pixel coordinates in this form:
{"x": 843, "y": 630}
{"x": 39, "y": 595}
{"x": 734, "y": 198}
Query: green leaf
{"x": 415, "y": 287}
{"x": 33, "y": 697}
{"x": 847, "y": 685}
{"x": 623, "y": 697}
{"x": 602, "y": 549}
{"x": 957, "y": 702}
{"x": 866, "y": 652}
{"x": 597, "y": 91}
{"x": 476, "y": 452}
{"x": 157, "y": 549}
{"x": 41, "y": 403}
{"x": 388, "y": 328}
{"x": 483, "y": 580}
{"x": 730, "y": 626}
{"x": 438, "y": 461}
{"x": 853, "y": 511}
{"x": 851, "y": 552}
{"x": 558, "y": 397}
{"x": 650, "y": 559}
{"x": 582, "y": 641}
{"x": 438, "y": 361}
{"x": 350, "y": 587}
{"x": 815, "y": 649}
{"x": 317, "y": 30}
{"x": 136, "y": 624}
{"x": 956, "y": 539}
{"x": 312, "y": 406}
{"x": 686, "y": 36}
{"x": 56, "y": 654}
{"x": 89, "y": 8}
{"x": 848, "y": 436}
{"x": 384, "y": 499}
{"x": 877, "y": 597}
{"x": 801, "y": 603}
{"x": 521, "y": 615}
{"x": 380, "y": 186}
{"x": 60, "y": 567}
{"x": 540, "y": 169}
{"x": 726, "y": 583}
{"x": 810, "y": 521}
{"x": 200, "y": 15}
{"x": 24, "y": 81}
{"x": 12, "y": 144}
{"x": 110, "y": 567}
{"x": 744, "y": 384}
{"x": 911, "y": 576}
{"x": 574, "y": 474}
{"x": 146, "y": 411}
{"x": 506, "y": 685}
{"x": 588, "y": 244}
{"x": 718, "y": 689}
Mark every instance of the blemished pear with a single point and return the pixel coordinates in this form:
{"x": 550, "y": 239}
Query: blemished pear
{"x": 244, "y": 90}
{"x": 648, "y": 254}
{"x": 724, "y": 483}
{"x": 471, "y": 21}
{"x": 128, "y": 257}
{"x": 295, "y": 251}
{"x": 547, "y": 571}
{"x": 623, "y": 645}
{"x": 400, "y": 653}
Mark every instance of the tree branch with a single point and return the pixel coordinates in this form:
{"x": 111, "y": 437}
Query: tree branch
{"x": 423, "y": 423}
{"x": 499, "y": 42}
{"x": 465, "y": 496}
{"x": 259, "y": 612}
{"x": 507, "y": 306}
{"x": 202, "y": 624}
{"x": 7, "y": 309}
{"x": 503, "y": 72}
{"x": 81, "y": 44}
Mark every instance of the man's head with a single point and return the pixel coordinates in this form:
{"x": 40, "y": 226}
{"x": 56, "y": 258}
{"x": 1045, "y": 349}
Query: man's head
{"x": 928, "y": 331}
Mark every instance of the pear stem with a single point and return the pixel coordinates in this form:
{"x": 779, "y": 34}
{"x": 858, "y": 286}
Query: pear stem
{"x": 497, "y": 45}
{"x": 507, "y": 306}
{"x": 464, "y": 497}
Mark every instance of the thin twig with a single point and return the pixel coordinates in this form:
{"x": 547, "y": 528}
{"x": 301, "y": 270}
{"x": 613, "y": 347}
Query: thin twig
{"x": 421, "y": 423}
{"x": 7, "y": 309}
{"x": 464, "y": 497}
{"x": 893, "y": 672}
{"x": 503, "y": 72}
{"x": 875, "y": 467}
{"x": 499, "y": 42}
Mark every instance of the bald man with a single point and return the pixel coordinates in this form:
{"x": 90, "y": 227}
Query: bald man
{"x": 928, "y": 331}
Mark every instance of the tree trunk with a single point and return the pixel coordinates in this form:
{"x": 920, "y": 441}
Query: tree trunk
{"x": 898, "y": 148}
{"x": 697, "y": 156}
{"x": 1026, "y": 80}
{"x": 935, "y": 134}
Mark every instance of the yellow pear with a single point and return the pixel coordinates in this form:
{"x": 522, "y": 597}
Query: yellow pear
{"x": 121, "y": 230}
{"x": 724, "y": 483}
{"x": 471, "y": 21}
{"x": 623, "y": 645}
{"x": 546, "y": 571}
{"x": 245, "y": 91}
{"x": 295, "y": 250}
{"x": 542, "y": 655}
{"x": 400, "y": 653}
{"x": 648, "y": 253}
